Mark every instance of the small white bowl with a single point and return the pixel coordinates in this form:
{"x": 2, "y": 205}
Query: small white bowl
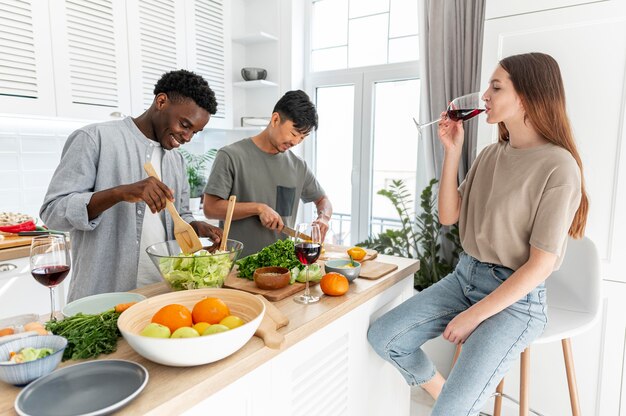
{"x": 187, "y": 352}
{"x": 23, "y": 373}
{"x": 95, "y": 304}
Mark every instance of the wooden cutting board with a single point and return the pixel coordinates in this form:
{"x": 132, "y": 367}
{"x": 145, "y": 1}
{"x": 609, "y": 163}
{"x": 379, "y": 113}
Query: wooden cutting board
{"x": 272, "y": 320}
{"x": 332, "y": 251}
{"x": 375, "y": 269}
{"x": 234, "y": 282}
{"x": 15, "y": 241}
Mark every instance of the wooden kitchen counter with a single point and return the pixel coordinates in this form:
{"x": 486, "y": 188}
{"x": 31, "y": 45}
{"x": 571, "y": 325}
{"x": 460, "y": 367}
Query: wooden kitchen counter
{"x": 173, "y": 390}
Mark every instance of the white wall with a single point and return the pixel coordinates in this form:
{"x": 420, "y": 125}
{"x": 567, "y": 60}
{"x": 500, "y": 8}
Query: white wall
{"x": 588, "y": 39}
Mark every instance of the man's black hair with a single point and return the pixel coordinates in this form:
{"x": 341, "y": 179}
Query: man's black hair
{"x": 298, "y": 108}
{"x": 182, "y": 84}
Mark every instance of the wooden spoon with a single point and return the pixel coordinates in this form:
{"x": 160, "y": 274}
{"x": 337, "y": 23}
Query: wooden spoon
{"x": 183, "y": 232}
{"x": 229, "y": 217}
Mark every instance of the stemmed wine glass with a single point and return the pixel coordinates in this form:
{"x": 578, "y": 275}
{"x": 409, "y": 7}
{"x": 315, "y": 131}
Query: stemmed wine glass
{"x": 308, "y": 247}
{"x": 50, "y": 263}
{"x": 461, "y": 108}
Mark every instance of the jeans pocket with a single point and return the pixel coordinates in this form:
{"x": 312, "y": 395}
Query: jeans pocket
{"x": 499, "y": 273}
{"x": 538, "y": 296}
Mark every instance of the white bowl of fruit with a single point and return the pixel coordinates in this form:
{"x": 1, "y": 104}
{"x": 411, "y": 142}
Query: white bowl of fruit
{"x": 193, "y": 327}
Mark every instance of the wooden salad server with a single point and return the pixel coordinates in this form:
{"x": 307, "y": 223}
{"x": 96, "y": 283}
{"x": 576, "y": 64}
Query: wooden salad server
{"x": 229, "y": 217}
{"x": 184, "y": 233}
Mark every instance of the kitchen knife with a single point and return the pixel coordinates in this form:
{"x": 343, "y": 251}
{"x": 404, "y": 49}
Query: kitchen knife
{"x": 292, "y": 233}
{"x": 36, "y": 233}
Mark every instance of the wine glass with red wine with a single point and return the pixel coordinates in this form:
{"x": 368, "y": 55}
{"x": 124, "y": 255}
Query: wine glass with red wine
{"x": 308, "y": 247}
{"x": 50, "y": 263}
{"x": 461, "y": 108}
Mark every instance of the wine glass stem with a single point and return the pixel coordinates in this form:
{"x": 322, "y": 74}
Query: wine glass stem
{"x": 52, "y": 308}
{"x": 421, "y": 126}
{"x": 306, "y": 283}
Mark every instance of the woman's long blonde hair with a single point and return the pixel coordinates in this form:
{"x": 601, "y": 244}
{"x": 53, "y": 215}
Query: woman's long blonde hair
{"x": 537, "y": 80}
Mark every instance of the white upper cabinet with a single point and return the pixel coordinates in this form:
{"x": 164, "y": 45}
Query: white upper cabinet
{"x": 156, "y": 39}
{"x": 26, "y": 84}
{"x": 90, "y": 58}
{"x": 206, "y": 53}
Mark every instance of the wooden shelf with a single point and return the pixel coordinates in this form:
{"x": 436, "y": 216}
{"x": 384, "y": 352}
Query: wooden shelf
{"x": 261, "y": 83}
{"x": 252, "y": 38}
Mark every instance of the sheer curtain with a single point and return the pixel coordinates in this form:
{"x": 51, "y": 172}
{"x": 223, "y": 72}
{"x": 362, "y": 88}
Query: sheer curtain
{"x": 451, "y": 42}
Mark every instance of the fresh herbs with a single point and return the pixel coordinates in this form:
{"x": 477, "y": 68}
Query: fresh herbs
{"x": 280, "y": 254}
{"x": 88, "y": 336}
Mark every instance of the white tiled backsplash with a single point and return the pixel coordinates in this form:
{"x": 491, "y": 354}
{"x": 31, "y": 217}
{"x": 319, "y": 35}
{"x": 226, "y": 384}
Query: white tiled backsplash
{"x": 30, "y": 150}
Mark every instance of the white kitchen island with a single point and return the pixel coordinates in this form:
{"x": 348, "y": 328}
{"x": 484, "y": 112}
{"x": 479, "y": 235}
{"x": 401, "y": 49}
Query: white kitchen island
{"x": 326, "y": 366}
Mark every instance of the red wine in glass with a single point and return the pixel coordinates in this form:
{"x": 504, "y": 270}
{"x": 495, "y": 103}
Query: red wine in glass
{"x": 308, "y": 253}
{"x": 50, "y": 263}
{"x": 463, "y": 113}
{"x": 461, "y": 108}
{"x": 50, "y": 276}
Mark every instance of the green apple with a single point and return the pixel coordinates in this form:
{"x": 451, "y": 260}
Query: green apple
{"x": 185, "y": 332}
{"x": 155, "y": 330}
{"x": 214, "y": 329}
{"x": 232, "y": 321}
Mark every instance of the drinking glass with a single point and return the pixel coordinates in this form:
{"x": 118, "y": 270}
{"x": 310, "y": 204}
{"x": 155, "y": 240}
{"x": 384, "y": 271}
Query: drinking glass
{"x": 461, "y": 108}
{"x": 308, "y": 247}
{"x": 50, "y": 263}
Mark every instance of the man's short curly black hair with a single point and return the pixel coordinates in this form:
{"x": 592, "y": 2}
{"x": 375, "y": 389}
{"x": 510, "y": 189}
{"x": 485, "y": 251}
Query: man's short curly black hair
{"x": 182, "y": 84}
{"x": 298, "y": 108}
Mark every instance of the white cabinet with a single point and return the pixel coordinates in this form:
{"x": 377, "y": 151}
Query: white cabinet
{"x": 26, "y": 84}
{"x": 90, "y": 58}
{"x": 333, "y": 371}
{"x": 156, "y": 39}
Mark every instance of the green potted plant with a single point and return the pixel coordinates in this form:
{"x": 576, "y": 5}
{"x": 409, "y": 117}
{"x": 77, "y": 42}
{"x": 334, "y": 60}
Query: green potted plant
{"x": 419, "y": 236}
{"x": 196, "y": 175}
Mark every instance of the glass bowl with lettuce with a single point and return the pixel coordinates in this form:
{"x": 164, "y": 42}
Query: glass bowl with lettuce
{"x": 205, "y": 268}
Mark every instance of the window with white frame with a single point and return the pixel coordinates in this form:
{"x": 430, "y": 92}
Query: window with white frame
{"x": 363, "y": 76}
{"x": 357, "y": 33}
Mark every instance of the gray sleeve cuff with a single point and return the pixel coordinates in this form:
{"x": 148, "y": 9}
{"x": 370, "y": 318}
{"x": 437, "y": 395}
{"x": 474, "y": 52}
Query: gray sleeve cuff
{"x": 76, "y": 212}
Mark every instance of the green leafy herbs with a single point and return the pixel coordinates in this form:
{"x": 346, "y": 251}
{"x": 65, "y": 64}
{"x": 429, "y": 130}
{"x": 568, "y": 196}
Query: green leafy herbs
{"x": 280, "y": 254}
{"x": 87, "y": 336}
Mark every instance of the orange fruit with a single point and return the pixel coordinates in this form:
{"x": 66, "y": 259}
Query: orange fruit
{"x": 6, "y": 331}
{"x": 357, "y": 253}
{"x": 211, "y": 310}
{"x": 334, "y": 284}
{"x": 173, "y": 316}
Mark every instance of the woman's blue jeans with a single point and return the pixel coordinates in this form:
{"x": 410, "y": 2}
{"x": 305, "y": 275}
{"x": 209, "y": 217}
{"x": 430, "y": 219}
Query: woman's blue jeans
{"x": 487, "y": 353}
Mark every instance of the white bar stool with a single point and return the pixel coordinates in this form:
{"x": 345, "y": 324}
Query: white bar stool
{"x": 574, "y": 297}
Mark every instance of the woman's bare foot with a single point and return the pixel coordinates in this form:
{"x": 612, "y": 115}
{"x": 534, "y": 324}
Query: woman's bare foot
{"x": 434, "y": 385}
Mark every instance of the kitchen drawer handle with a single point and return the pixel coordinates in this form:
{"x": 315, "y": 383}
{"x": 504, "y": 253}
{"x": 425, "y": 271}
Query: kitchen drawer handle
{"x": 7, "y": 267}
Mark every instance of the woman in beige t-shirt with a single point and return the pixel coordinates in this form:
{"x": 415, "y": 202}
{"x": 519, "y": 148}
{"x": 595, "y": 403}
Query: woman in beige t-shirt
{"x": 521, "y": 198}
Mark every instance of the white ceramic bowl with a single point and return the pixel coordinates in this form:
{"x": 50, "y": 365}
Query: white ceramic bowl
{"x": 95, "y": 304}
{"x": 23, "y": 373}
{"x": 186, "y": 352}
